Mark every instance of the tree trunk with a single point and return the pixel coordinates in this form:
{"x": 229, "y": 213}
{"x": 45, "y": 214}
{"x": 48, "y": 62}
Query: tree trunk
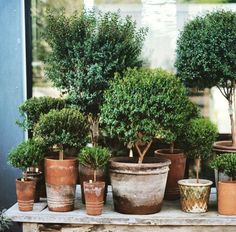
{"x": 94, "y": 130}
{"x": 61, "y": 154}
{"x": 172, "y": 148}
{"x": 95, "y": 175}
{"x": 197, "y": 162}
{"x": 231, "y": 116}
{"x": 142, "y": 154}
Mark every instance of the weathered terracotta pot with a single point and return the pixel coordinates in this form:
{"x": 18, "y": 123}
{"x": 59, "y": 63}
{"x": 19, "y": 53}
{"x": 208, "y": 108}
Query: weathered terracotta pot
{"x": 61, "y": 179}
{"x": 194, "y": 197}
{"x": 176, "y": 172}
{"x": 94, "y": 195}
{"x": 224, "y": 146}
{"x": 37, "y": 177}
{"x": 25, "y": 192}
{"x": 227, "y": 197}
{"x": 138, "y": 188}
{"x": 86, "y": 174}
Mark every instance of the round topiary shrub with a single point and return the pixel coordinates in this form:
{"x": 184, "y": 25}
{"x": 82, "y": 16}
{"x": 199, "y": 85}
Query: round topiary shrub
{"x": 143, "y": 105}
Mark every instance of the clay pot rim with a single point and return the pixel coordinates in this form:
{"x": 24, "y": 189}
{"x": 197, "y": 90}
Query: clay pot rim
{"x": 227, "y": 182}
{"x": 193, "y": 182}
{"x": 25, "y": 180}
{"x": 224, "y": 145}
{"x": 66, "y": 159}
{"x": 179, "y": 152}
{"x": 124, "y": 162}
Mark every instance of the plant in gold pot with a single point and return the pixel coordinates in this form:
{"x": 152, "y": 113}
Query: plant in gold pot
{"x": 93, "y": 187}
{"x": 226, "y": 189}
{"x": 61, "y": 128}
{"x": 27, "y": 156}
{"x": 194, "y": 193}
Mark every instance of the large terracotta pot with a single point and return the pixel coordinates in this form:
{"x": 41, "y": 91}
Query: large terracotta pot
{"x": 86, "y": 174}
{"x": 227, "y": 197}
{"x": 176, "y": 172}
{"x": 224, "y": 146}
{"x": 61, "y": 179}
{"x": 138, "y": 188}
{"x": 94, "y": 195}
{"x": 25, "y": 192}
{"x": 194, "y": 197}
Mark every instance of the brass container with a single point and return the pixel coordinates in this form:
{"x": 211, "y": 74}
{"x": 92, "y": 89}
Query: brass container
{"x": 194, "y": 197}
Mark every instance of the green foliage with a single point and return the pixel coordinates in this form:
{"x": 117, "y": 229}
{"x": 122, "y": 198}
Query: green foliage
{"x": 94, "y": 157}
{"x": 4, "y": 222}
{"x": 66, "y": 127}
{"x": 87, "y": 49}
{"x": 206, "y": 50}
{"x": 149, "y": 101}
{"x": 27, "y": 154}
{"x": 32, "y": 108}
{"x": 200, "y": 136}
{"x": 225, "y": 162}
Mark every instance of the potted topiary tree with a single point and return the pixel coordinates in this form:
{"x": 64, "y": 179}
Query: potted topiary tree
{"x": 87, "y": 49}
{"x": 205, "y": 64}
{"x": 63, "y": 128}
{"x": 27, "y": 154}
{"x": 142, "y": 106}
{"x": 92, "y": 189}
{"x": 199, "y": 137}
{"x": 226, "y": 189}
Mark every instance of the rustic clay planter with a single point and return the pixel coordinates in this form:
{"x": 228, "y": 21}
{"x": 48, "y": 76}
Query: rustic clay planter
{"x": 223, "y": 146}
{"x": 37, "y": 177}
{"x": 138, "y": 188}
{"x": 61, "y": 179}
{"x": 194, "y": 197}
{"x": 227, "y": 197}
{"x": 94, "y": 195}
{"x": 86, "y": 174}
{"x": 25, "y": 192}
{"x": 176, "y": 172}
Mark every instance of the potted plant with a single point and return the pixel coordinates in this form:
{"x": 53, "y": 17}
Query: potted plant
{"x": 27, "y": 154}
{"x": 87, "y": 49}
{"x": 92, "y": 189}
{"x": 133, "y": 110}
{"x": 5, "y": 222}
{"x": 194, "y": 193}
{"x": 205, "y": 64}
{"x": 226, "y": 189}
{"x": 61, "y": 128}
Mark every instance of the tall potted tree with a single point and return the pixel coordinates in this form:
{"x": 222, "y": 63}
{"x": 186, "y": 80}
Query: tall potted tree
{"x": 206, "y": 51}
{"x": 199, "y": 138}
{"x": 133, "y": 110}
{"x": 226, "y": 189}
{"x": 94, "y": 190}
{"x": 87, "y": 49}
{"x": 27, "y": 154}
{"x": 62, "y": 128}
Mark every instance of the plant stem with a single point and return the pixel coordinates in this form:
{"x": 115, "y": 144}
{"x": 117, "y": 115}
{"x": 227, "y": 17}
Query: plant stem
{"x": 95, "y": 175}
{"x": 233, "y": 118}
{"x": 172, "y": 148}
{"x": 142, "y": 154}
{"x": 61, "y": 154}
{"x": 94, "y": 129}
{"x": 197, "y": 162}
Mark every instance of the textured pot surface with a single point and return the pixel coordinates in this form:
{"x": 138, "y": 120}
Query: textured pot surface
{"x": 227, "y": 197}
{"x": 194, "y": 197}
{"x": 25, "y": 192}
{"x": 86, "y": 174}
{"x": 176, "y": 172}
{"x": 94, "y": 194}
{"x": 138, "y": 188}
{"x": 37, "y": 177}
{"x": 61, "y": 179}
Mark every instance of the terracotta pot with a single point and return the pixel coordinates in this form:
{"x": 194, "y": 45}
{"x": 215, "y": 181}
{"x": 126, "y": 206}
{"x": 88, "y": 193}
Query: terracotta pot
{"x": 37, "y": 177}
{"x": 224, "y": 146}
{"x": 86, "y": 174}
{"x": 227, "y": 197}
{"x": 194, "y": 197}
{"x": 61, "y": 179}
{"x": 176, "y": 172}
{"x": 138, "y": 188}
{"x": 25, "y": 192}
{"x": 94, "y": 195}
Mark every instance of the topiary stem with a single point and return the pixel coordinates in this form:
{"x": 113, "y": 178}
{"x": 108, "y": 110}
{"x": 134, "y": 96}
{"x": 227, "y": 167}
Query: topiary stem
{"x": 172, "y": 148}
{"x": 197, "y": 162}
{"x": 95, "y": 175}
{"x": 233, "y": 118}
{"x": 61, "y": 154}
{"x": 142, "y": 154}
{"x": 94, "y": 129}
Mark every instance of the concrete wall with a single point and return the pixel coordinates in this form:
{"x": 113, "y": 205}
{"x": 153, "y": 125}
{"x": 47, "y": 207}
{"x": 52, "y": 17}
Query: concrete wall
{"x": 12, "y": 90}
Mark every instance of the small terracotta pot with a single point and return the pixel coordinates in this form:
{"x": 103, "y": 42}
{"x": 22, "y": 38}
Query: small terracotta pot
{"x": 86, "y": 174}
{"x": 37, "y": 177}
{"x": 194, "y": 197}
{"x": 227, "y": 197}
{"x": 176, "y": 172}
{"x": 61, "y": 179}
{"x": 94, "y": 195}
{"x": 25, "y": 192}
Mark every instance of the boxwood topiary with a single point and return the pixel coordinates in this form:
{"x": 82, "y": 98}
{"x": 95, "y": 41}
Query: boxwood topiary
{"x": 206, "y": 55}
{"x": 64, "y": 128}
{"x": 32, "y": 108}
{"x": 143, "y": 105}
